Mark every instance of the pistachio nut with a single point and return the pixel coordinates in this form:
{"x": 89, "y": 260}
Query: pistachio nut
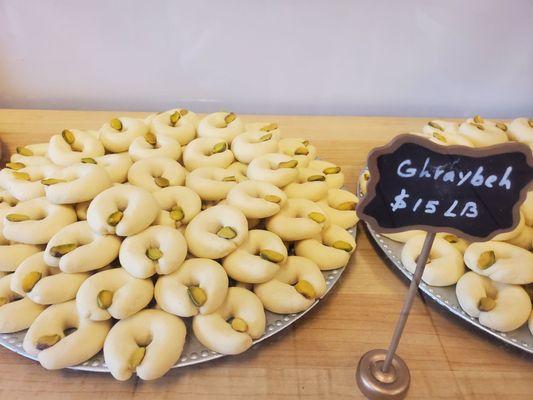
{"x": 114, "y": 218}
{"x": 316, "y": 178}
{"x": 104, "y": 299}
{"x": 265, "y": 137}
{"x": 116, "y": 124}
{"x": 228, "y": 119}
{"x": 22, "y": 176}
{"x": 68, "y": 136}
{"x": 62, "y": 249}
{"x": 154, "y": 253}
{"x": 342, "y": 245}
{"x": 331, "y": 170}
{"x": 88, "y": 160}
{"x": 219, "y": 148}
{"x": 288, "y": 164}
{"x": 137, "y": 357}
{"x": 47, "y": 341}
{"x": 226, "y": 232}
{"x": 161, "y": 181}
{"x": 174, "y": 118}
{"x": 29, "y": 281}
{"x": 51, "y": 181}
{"x": 272, "y": 198}
{"x": 24, "y": 151}
{"x": 270, "y": 127}
{"x": 434, "y": 125}
{"x": 501, "y": 126}
{"x": 177, "y": 213}
{"x": 317, "y": 217}
{"x": 229, "y": 179}
{"x": 150, "y": 138}
{"x": 239, "y": 324}
{"x": 486, "y": 259}
{"x": 271, "y": 255}
{"x": 478, "y": 119}
{"x": 346, "y": 206}
{"x": 305, "y": 289}
{"x": 301, "y": 151}
{"x": 486, "y": 304}
{"x": 15, "y": 165}
{"x": 197, "y": 295}
{"x": 439, "y": 137}
{"x": 17, "y": 217}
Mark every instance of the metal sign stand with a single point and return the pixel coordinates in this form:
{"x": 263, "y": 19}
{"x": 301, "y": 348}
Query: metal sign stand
{"x": 381, "y": 374}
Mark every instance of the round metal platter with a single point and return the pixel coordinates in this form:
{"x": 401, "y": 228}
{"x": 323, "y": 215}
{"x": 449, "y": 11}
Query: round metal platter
{"x": 445, "y": 296}
{"x": 193, "y": 352}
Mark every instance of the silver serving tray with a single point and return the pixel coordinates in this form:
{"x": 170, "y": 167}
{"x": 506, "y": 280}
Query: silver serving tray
{"x": 193, "y": 352}
{"x": 445, "y": 296}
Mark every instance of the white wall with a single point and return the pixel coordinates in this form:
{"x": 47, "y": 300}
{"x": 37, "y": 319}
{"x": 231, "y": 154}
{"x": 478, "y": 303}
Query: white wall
{"x": 371, "y": 57}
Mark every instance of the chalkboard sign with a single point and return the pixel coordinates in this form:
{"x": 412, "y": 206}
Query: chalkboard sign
{"x": 472, "y": 193}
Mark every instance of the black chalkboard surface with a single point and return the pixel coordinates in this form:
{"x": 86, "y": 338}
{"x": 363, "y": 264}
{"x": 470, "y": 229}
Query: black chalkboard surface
{"x": 473, "y": 193}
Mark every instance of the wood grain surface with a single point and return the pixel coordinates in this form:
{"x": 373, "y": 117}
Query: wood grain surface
{"x": 317, "y": 356}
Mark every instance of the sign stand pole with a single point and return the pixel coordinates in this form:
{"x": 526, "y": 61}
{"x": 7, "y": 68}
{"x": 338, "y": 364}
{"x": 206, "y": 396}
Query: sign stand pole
{"x": 381, "y": 374}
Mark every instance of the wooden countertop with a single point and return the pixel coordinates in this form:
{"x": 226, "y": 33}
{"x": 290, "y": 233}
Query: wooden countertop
{"x": 317, "y": 356}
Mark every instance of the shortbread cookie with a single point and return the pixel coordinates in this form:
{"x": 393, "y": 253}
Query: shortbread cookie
{"x": 148, "y": 343}
{"x": 333, "y": 174}
{"x": 257, "y": 199}
{"x": 309, "y": 184}
{"x": 113, "y": 293}
{"x": 482, "y": 134}
{"x": 72, "y": 146}
{"x": 31, "y": 154}
{"x": 238, "y": 170}
{"x": 256, "y": 141}
{"x": 178, "y": 205}
{"x": 299, "y": 149}
{"x": 26, "y": 183}
{"x": 277, "y": 169}
{"x": 257, "y": 259}
{"x": 116, "y": 165}
{"x": 211, "y": 183}
{"x": 179, "y": 124}
{"x": 54, "y": 348}
{"x": 207, "y": 152}
{"x": 152, "y": 145}
{"x": 77, "y": 248}
{"x": 339, "y": 205}
{"x": 199, "y": 286}
{"x": 11, "y": 255}
{"x": 221, "y": 125}
{"x": 294, "y": 288}
{"x": 521, "y": 129}
{"x": 118, "y": 134}
{"x": 155, "y": 173}
{"x": 234, "y": 325}
{"x": 216, "y": 232}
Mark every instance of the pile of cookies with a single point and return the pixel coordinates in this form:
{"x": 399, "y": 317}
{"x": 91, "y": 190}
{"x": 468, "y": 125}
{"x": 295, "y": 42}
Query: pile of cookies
{"x": 110, "y": 238}
{"x": 498, "y": 287}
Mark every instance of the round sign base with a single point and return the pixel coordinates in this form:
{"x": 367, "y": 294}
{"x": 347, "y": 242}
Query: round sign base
{"x": 378, "y": 385}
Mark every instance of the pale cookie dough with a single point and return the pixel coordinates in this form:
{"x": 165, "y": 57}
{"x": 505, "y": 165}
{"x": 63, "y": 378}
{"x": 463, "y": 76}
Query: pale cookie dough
{"x": 257, "y": 259}
{"x": 116, "y": 165}
{"x": 239, "y": 170}
{"x": 113, "y": 293}
{"x": 445, "y": 133}
{"x": 521, "y": 129}
{"x": 123, "y": 210}
{"x": 81, "y": 210}
{"x": 299, "y": 149}
{"x": 151, "y": 145}
{"x": 294, "y": 288}
{"x": 309, "y": 184}
{"x": 26, "y": 183}
{"x": 31, "y": 154}
{"x": 333, "y": 173}
{"x": 198, "y": 287}
{"x": 257, "y": 199}
{"x": 363, "y": 182}
{"x": 48, "y": 338}
{"x": 7, "y": 200}
{"x": 148, "y": 343}
{"x": 155, "y": 173}
{"x": 72, "y": 146}
{"x": 216, "y": 232}
{"x": 498, "y": 306}
{"x": 16, "y": 313}
{"x": 211, "y": 183}
{"x": 524, "y": 239}
{"x": 178, "y": 205}
{"x": 277, "y": 169}
{"x": 11, "y": 255}
{"x": 445, "y": 263}
{"x": 36, "y": 221}
{"x": 231, "y": 328}
{"x": 501, "y": 262}
{"x": 339, "y": 205}
{"x": 481, "y": 134}
{"x": 44, "y": 284}
{"x": 179, "y": 124}
{"x": 77, "y": 248}
{"x": 117, "y": 134}
{"x": 330, "y": 249}
{"x": 221, "y": 125}
{"x": 76, "y": 183}
{"x": 156, "y": 250}
{"x": 298, "y": 219}
{"x": 207, "y": 152}
{"x": 255, "y": 142}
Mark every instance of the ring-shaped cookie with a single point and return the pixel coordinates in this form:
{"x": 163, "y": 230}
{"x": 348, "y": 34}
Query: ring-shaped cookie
{"x": 333, "y": 173}
{"x": 156, "y": 250}
{"x": 501, "y": 262}
{"x": 521, "y": 130}
{"x": 339, "y": 205}
{"x": 257, "y": 199}
{"x": 76, "y": 183}
{"x": 298, "y": 219}
{"x": 116, "y": 165}
{"x": 117, "y": 134}
{"x": 221, "y": 125}
{"x": 497, "y": 305}
{"x": 49, "y": 338}
{"x": 26, "y": 183}
{"x": 295, "y": 287}
{"x": 309, "y": 184}
{"x": 330, "y": 249}
{"x": 7, "y": 200}
{"x": 232, "y": 328}
{"x": 178, "y": 204}
{"x": 179, "y": 124}
{"x": 155, "y": 173}
{"x": 211, "y": 183}
{"x": 36, "y": 221}
{"x": 148, "y": 343}
{"x": 257, "y": 259}
{"x": 445, "y": 263}
{"x": 123, "y": 210}
{"x": 77, "y": 248}
{"x": 445, "y": 133}
{"x": 152, "y": 145}
{"x": 256, "y": 142}
{"x": 11, "y": 255}
{"x": 16, "y": 313}
{"x": 277, "y": 169}
{"x": 72, "y": 146}
{"x": 44, "y": 284}
{"x": 216, "y": 232}
{"x": 299, "y": 149}
{"x": 238, "y": 170}
{"x": 31, "y": 154}
{"x": 199, "y": 286}
{"x": 482, "y": 134}
{"x": 207, "y": 152}
{"x": 113, "y": 293}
